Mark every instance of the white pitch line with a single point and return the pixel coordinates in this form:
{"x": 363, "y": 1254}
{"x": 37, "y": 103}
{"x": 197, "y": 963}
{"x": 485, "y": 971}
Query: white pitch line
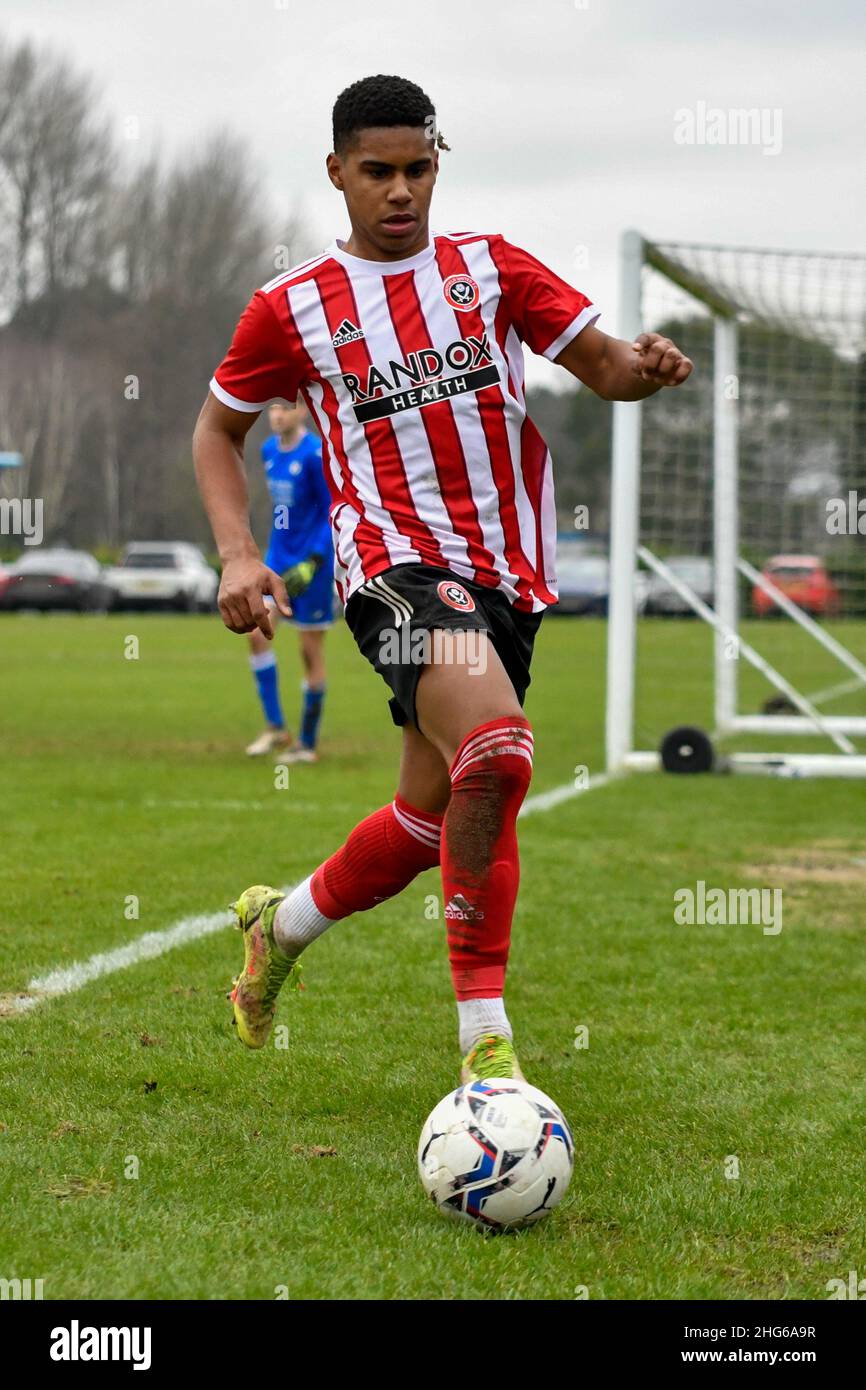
{"x": 544, "y": 801}
{"x": 157, "y": 804}
{"x": 833, "y": 692}
{"x": 68, "y": 979}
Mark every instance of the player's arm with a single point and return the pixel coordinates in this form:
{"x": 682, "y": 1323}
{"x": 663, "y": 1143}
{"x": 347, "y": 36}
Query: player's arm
{"x": 548, "y": 312}
{"x": 618, "y": 370}
{"x": 218, "y": 452}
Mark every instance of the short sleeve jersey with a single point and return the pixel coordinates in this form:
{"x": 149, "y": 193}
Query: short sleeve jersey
{"x": 413, "y": 371}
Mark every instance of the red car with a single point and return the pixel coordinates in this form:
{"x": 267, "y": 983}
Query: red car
{"x": 804, "y": 580}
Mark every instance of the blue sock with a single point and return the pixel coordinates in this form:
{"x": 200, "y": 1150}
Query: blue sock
{"x": 264, "y": 668}
{"x": 311, "y": 714}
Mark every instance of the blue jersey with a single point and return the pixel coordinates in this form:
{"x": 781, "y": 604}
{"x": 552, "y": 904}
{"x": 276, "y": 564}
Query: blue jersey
{"x": 301, "y": 502}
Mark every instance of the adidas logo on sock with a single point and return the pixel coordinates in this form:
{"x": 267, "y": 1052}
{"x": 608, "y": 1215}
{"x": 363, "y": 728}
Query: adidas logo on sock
{"x": 348, "y": 332}
{"x": 460, "y": 910}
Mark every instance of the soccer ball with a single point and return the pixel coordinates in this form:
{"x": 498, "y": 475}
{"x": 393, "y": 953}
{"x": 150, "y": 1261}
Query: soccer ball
{"x": 496, "y": 1154}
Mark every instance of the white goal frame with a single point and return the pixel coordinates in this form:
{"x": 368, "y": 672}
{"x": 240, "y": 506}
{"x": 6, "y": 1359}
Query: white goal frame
{"x": 625, "y": 551}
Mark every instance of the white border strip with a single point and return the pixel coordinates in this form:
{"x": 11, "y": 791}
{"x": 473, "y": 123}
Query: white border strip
{"x": 232, "y": 401}
{"x": 586, "y": 317}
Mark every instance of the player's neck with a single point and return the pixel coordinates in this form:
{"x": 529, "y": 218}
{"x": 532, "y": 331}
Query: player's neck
{"x": 360, "y": 245}
{"x": 291, "y": 438}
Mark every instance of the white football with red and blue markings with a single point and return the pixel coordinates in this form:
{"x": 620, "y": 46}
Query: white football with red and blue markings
{"x": 496, "y": 1154}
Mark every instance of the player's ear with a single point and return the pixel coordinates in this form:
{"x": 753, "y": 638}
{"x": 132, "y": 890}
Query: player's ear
{"x": 335, "y": 170}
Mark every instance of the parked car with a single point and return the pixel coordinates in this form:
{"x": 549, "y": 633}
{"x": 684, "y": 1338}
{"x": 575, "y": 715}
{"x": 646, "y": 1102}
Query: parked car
{"x": 163, "y": 574}
{"x": 45, "y": 579}
{"x": 696, "y": 571}
{"x": 583, "y": 577}
{"x": 584, "y": 583}
{"x": 804, "y": 580}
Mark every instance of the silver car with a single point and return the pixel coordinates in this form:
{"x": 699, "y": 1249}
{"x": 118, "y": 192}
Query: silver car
{"x": 696, "y": 571}
{"x": 164, "y": 574}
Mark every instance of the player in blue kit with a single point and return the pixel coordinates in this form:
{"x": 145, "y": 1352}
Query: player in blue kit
{"x": 300, "y": 550}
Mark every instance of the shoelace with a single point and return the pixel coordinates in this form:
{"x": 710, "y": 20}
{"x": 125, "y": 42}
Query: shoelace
{"x": 496, "y": 1050}
{"x": 279, "y": 969}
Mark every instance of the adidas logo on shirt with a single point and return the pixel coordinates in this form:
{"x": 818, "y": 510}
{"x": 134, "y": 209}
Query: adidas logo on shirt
{"x": 348, "y": 332}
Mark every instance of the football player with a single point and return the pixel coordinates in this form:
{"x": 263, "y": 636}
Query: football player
{"x": 300, "y": 550}
{"x": 407, "y": 346}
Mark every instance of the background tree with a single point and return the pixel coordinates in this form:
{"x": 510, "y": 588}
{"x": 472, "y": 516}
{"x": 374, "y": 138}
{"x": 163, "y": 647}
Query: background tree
{"x": 119, "y": 287}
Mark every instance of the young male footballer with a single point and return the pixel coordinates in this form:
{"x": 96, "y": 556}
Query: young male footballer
{"x": 300, "y": 551}
{"x": 406, "y": 346}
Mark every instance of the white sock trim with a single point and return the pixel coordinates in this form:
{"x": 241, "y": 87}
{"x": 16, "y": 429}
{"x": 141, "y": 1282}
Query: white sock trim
{"x": 422, "y": 830}
{"x": 297, "y": 920}
{"x": 480, "y": 1016}
{"x": 262, "y": 661}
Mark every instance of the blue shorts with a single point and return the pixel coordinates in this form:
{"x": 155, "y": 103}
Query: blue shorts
{"x": 315, "y": 606}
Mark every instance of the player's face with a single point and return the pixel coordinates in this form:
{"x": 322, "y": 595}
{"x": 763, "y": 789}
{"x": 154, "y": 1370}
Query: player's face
{"x": 387, "y": 177}
{"x": 285, "y": 418}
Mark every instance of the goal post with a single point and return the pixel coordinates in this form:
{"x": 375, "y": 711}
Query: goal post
{"x": 739, "y": 496}
{"x": 624, "y": 509}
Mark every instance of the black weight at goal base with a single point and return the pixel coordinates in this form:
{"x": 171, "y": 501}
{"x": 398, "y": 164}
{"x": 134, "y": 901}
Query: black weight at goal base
{"x": 687, "y": 749}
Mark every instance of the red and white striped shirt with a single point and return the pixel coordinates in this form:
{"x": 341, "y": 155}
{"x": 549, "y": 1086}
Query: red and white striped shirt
{"x": 413, "y": 371}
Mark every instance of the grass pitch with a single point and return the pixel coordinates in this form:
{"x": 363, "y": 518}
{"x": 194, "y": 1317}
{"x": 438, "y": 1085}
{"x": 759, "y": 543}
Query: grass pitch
{"x": 145, "y": 1154}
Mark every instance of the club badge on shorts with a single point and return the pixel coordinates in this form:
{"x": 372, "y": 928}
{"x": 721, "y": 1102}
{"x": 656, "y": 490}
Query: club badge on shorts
{"x": 461, "y": 292}
{"x": 455, "y": 596}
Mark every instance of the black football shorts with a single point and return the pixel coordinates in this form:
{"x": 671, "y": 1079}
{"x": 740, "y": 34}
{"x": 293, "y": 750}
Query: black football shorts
{"x": 392, "y": 618}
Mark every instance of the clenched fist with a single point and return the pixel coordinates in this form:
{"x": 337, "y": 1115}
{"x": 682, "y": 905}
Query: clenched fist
{"x": 660, "y": 361}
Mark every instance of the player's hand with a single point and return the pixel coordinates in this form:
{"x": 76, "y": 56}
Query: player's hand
{"x": 660, "y": 361}
{"x": 242, "y": 592}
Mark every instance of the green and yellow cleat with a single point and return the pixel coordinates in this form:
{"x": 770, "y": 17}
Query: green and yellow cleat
{"x": 266, "y": 969}
{"x": 493, "y": 1056}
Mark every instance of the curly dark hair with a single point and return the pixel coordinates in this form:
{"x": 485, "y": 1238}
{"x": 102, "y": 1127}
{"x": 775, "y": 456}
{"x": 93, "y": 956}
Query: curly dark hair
{"x": 382, "y": 101}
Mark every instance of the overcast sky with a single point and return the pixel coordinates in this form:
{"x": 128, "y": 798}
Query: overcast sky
{"x": 560, "y": 114}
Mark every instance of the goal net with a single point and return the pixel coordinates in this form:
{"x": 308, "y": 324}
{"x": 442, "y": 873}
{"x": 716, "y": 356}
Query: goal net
{"x": 738, "y": 513}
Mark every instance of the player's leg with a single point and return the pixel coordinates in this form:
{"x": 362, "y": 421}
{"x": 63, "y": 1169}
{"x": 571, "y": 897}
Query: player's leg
{"x": 311, "y": 642}
{"x": 313, "y": 612}
{"x": 469, "y": 769}
{"x": 424, "y": 778}
{"x": 469, "y": 710}
{"x": 479, "y": 746}
{"x": 263, "y": 663}
{"x": 381, "y": 856}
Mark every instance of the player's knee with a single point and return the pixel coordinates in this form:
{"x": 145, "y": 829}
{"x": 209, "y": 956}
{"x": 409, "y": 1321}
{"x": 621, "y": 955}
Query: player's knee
{"x": 497, "y": 756}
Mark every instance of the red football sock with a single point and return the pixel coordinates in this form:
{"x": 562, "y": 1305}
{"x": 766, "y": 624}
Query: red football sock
{"x": 381, "y": 856}
{"x": 480, "y": 866}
